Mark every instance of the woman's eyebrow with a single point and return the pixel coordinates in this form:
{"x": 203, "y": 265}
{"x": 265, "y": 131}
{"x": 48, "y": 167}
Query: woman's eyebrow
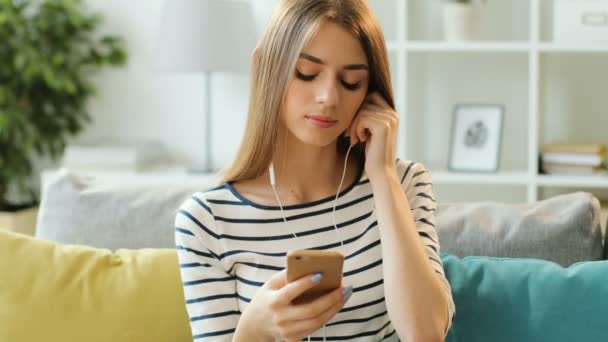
{"x": 319, "y": 61}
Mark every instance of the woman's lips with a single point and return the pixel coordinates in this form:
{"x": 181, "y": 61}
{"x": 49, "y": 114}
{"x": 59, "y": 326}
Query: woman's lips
{"x": 321, "y": 122}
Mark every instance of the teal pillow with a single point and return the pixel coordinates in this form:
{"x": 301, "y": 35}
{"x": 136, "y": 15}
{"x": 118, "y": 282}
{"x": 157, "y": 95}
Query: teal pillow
{"x": 521, "y": 299}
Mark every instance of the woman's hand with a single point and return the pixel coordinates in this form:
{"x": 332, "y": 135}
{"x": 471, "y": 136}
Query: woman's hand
{"x": 272, "y": 314}
{"x": 376, "y": 124}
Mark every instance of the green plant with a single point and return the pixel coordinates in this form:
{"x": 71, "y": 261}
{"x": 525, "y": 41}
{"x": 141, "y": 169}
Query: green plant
{"x": 49, "y": 50}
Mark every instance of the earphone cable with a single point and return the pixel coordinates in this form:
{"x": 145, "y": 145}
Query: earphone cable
{"x": 272, "y": 184}
{"x": 333, "y": 215}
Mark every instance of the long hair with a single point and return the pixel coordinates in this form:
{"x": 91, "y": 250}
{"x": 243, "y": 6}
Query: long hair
{"x": 291, "y": 26}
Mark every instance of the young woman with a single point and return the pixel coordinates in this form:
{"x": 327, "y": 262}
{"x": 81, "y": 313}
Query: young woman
{"x": 322, "y": 115}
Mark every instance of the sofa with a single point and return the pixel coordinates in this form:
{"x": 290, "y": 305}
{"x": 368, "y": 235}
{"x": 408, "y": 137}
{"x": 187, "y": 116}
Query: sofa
{"x": 102, "y": 267}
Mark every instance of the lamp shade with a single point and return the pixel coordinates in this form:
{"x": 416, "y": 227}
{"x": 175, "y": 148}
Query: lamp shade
{"x": 205, "y": 35}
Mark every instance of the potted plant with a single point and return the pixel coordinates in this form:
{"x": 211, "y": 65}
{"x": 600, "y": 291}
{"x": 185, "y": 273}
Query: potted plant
{"x": 461, "y": 20}
{"x": 49, "y": 50}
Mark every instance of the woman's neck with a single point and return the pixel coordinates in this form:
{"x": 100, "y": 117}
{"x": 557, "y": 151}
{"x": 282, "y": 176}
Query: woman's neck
{"x": 303, "y": 173}
{"x": 310, "y": 176}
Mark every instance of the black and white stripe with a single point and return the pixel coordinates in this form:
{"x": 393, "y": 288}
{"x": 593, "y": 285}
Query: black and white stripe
{"x": 228, "y": 247}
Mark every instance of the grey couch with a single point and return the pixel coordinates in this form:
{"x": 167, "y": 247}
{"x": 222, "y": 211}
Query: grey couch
{"x": 564, "y": 229}
{"x": 502, "y": 287}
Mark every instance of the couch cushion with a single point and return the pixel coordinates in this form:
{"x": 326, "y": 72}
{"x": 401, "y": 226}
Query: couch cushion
{"x": 77, "y": 209}
{"x": 53, "y": 292}
{"x": 521, "y": 299}
{"x": 564, "y": 229}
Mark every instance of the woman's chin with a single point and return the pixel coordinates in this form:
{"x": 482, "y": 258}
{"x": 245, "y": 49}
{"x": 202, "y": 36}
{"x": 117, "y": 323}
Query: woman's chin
{"x": 318, "y": 141}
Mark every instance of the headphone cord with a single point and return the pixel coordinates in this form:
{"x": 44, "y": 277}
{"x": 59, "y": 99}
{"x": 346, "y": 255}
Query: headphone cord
{"x": 333, "y": 214}
{"x": 276, "y": 195}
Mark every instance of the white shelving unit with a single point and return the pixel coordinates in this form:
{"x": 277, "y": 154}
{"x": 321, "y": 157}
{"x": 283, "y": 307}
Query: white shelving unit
{"x": 551, "y": 92}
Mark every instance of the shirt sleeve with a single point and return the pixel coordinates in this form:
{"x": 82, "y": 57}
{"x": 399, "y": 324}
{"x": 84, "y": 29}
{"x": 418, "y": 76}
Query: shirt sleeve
{"x": 210, "y": 292}
{"x": 418, "y": 186}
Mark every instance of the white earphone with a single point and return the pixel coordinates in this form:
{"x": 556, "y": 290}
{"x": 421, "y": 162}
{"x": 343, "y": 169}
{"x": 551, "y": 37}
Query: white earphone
{"x": 333, "y": 214}
{"x": 273, "y": 185}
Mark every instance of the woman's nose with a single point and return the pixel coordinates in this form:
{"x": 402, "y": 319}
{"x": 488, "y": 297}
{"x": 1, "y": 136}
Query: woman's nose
{"x": 327, "y": 92}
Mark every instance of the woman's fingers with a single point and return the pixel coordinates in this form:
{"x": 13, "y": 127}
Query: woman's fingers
{"x": 352, "y": 133}
{"x": 300, "y": 328}
{"x": 374, "y": 104}
{"x": 292, "y": 290}
{"x": 314, "y": 308}
{"x": 372, "y": 121}
{"x": 377, "y": 99}
{"x": 367, "y": 124}
{"x": 278, "y": 280}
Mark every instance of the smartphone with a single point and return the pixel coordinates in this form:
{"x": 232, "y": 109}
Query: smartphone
{"x": 302, "y": 263}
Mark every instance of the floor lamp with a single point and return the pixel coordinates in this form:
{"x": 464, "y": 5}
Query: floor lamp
{"x": 206, "y": 36}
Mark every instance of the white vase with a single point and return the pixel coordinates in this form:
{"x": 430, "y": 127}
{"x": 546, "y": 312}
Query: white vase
{"x": 460, "y": 21}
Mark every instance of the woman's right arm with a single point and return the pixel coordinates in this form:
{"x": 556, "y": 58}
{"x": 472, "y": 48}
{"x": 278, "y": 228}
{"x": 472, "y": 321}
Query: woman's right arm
{"x": 209, "y": 291}
{"x": 247, "y": 331}
{"x": 211, "y": 297}
{"x": 271, "y": 315}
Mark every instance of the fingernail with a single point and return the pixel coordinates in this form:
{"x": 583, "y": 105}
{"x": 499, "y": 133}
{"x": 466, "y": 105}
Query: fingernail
{"x": 347, "y": 297}
{"x": 316, "y": 278}
{"x": 347, "y": 290}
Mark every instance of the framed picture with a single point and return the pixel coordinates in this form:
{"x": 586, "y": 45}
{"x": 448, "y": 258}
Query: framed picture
{"x": 476, "y": 137}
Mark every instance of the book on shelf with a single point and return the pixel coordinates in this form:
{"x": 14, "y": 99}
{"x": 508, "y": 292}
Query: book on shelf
{"x": 590, "y": 159}
{"x": 574, "y": 148}
{"x": 550, "y": 168}
{"x": 114, "y": 155}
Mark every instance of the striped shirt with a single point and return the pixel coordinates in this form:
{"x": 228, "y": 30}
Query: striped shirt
{"x": 229, "y": 246}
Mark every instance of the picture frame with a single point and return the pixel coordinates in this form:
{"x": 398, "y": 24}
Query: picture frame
{"x": 476, "y": 137}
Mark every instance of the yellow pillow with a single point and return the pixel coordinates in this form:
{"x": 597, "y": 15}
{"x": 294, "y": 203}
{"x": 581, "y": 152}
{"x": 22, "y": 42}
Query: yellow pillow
{"x": 52, "y": 292}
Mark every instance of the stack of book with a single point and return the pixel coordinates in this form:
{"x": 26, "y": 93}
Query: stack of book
{"x": 112, "y": 155}
{"x": 571, "y": 158}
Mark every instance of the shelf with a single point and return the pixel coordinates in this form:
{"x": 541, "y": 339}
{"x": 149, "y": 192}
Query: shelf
{"x": 506, "y": 20}
{"x": 556, "y": 47}
{"x": 552, "y": 91}
{"x": 439, "y": 81}
{"x": 492, "y": 46}
{"x": 442, "y": 176}
{"x": 500, "y": 178}
{"x": 488, "y": 46}
{"x": 587, "y": 181}
{"x": 572, "y": 98}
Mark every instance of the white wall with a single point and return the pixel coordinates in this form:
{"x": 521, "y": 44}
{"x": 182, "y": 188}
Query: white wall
{"x": 136, "y": 102}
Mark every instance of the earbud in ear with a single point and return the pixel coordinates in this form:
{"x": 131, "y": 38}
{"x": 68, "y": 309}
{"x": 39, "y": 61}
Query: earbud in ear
{"x": 347, "y": 138}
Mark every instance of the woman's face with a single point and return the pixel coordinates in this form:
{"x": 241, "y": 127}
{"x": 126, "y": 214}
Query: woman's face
{"x": 327, "y": 88}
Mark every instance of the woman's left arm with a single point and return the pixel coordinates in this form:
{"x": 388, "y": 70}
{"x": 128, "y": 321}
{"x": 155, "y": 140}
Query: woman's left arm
{"x": 417, "y": 302}
{"x": 416, "y": 299}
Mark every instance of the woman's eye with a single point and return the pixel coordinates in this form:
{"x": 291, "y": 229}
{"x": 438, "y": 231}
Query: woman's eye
{"x": 305, "y": 77}
{"x": 349, "y": 86}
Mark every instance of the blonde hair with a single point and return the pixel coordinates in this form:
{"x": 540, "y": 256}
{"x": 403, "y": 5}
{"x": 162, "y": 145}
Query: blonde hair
{"x": 292, "y": 25}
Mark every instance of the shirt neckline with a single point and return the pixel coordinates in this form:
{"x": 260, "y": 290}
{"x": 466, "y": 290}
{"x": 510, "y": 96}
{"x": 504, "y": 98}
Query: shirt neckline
{"x": 242, "y": 198}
